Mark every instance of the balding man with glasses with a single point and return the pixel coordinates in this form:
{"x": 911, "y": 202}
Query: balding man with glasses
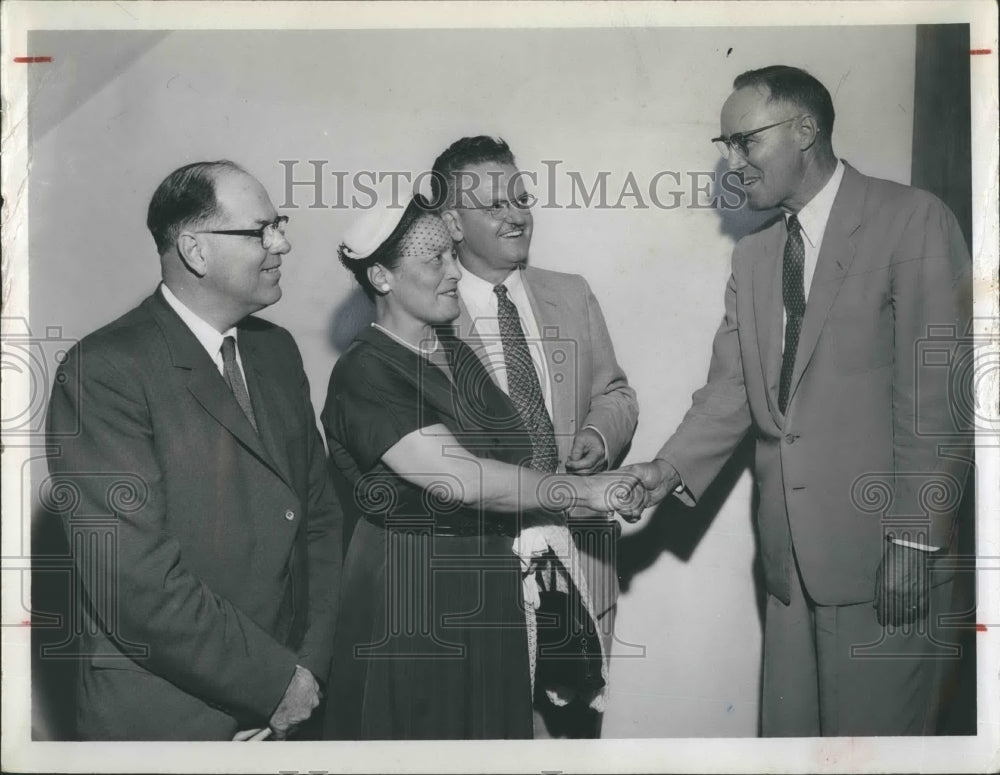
{"x": 209, "y": 612}
{"x": 821, "y": 356}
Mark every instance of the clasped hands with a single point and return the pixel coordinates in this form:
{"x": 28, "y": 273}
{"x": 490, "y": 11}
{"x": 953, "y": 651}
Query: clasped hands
{"x": 629, "y": 490}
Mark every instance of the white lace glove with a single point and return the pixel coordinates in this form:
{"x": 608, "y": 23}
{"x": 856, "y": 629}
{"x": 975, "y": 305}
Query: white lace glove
{"x": 529, "y": 545}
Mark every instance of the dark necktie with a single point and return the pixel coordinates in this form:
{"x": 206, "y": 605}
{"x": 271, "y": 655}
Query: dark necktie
{"x": 794, "y": 295}
{"x": 523, "y": 387}
{"x": 234, "y": 378}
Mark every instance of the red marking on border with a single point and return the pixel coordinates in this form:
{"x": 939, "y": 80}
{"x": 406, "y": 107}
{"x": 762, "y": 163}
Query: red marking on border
{"x": 31, "y": 60}
{"x": 26, "y": 622}
{"x": 980, "y": 51}
{"x": 980, "y": 628}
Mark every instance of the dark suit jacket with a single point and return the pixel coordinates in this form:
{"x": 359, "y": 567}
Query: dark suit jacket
{"x": 209, "y": 555}
{"x": 588, "y": 388}
{"x": 862, "y": 448}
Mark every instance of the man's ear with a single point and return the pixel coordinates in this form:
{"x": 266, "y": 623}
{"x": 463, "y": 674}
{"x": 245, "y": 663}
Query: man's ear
{"x": 189, "y": 250}
{"x": 806, "y": 131}
{"x": 453, "y": 223}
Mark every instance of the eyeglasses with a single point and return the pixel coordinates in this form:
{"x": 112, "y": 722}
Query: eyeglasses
{"x": 738, "y": 140}
{"x": 499, "y": 209}
{"x": 267, "y": 234}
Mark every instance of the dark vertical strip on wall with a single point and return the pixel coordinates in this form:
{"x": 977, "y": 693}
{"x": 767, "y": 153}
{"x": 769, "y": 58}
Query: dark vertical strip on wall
{"x": 942, "y": 137}
{"x": 942, "y": 164}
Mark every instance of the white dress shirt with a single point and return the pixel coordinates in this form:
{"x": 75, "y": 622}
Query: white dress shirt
{"x": 204, "y": 332}
{"x": 481, "y": 302}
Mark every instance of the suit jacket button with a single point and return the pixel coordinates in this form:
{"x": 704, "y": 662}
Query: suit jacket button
{"x": 289, "y": 515}
{"x": 790, "y": 438}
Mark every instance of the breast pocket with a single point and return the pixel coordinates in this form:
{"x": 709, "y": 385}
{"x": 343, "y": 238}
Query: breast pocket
{"x": 861, "y": 331}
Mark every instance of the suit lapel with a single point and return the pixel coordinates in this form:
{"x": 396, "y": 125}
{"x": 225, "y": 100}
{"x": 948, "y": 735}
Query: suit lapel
{"x": 204, "y": 381}
{"x": 768, "y": 307}
{"x": 549, "y": 308}
{"x": 835, "y": 258}
{"x": 262, "y": 387}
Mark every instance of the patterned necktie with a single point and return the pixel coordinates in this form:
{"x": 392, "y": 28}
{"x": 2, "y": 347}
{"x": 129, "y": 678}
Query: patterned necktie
{"x": 794, "y": 295}
{"x": 234, "y": 378}
{"x": 523, "y": 386}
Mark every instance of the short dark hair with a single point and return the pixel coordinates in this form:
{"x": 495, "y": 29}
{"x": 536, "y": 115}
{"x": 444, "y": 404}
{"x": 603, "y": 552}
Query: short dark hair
{"x": 185, "y": 196}
{"x": 792, "y": 84}
{"x": 387, "y": 254}
{"x": 460, "y": 155}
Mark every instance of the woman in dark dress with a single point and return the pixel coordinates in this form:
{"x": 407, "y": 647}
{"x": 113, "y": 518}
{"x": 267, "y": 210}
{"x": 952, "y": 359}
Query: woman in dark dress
{"x": 431, "y": 639}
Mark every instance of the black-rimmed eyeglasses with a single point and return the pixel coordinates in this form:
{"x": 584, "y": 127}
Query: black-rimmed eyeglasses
{"x": 738, "y": 140}
{"x": 499, "y": 209}
{"x": 266, "y": 233}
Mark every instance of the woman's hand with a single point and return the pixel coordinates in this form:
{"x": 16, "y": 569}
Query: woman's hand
{"x": 619, "y": 491}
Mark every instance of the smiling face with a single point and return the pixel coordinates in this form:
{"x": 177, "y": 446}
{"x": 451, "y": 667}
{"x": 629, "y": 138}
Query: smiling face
{"x": 241, "y": 277}
{"x": 774, "y": 167}
{"x": 490, "y": 247}
{"x": 424, "y": 282}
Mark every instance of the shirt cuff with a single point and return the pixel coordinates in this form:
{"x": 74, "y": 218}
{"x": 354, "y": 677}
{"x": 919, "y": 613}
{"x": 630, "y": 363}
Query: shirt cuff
{"x": 914, "y": 545}
{"x": 604, "y": 441}
{"x": 680, "y": 491}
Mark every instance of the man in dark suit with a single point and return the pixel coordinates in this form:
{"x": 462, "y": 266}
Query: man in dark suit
{"x": 819, "y": 355}
{"x": 584, "y": 410}
{"x": 209, "y": 612}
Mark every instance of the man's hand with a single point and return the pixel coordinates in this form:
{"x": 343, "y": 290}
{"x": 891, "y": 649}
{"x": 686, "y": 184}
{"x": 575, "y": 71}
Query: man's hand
{"x": 252, "y": 735}
{"x": 301, "y": 698}
{"x": 588, "y": 454}
{"x": 658, "y": 478}
{"x": 901, "y": 585}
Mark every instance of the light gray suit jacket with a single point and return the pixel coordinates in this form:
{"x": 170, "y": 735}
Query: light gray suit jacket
{"x": 588, "y": 388}
{"x": 870, "y": 440}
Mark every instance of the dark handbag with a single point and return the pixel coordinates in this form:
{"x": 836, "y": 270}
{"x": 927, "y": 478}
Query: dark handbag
{"x": 569, "y": 652}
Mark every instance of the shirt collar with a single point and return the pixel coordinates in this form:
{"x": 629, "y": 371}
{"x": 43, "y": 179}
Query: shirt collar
{"x": 814, "y": 216}
{"x": 204, "y": 332}
{"x": 477, "y": 292}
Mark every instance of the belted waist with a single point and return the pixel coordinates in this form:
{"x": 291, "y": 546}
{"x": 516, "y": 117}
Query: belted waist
{"x": 450, "y": 526}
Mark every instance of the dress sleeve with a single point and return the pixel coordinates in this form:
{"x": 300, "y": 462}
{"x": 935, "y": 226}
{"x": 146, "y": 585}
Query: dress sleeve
{"x": 372, "y": 404}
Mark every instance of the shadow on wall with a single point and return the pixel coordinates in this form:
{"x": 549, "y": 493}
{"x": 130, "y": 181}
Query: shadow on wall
{"x": 678, "y": 529}
{"x": 349, "y": 319}
{"x": 959, "y": 688}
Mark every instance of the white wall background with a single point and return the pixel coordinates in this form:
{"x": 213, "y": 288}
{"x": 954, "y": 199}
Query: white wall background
{"x": 116, "y": 111}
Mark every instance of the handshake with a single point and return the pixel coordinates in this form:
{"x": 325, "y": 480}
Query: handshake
{"x": 629, "y": 490}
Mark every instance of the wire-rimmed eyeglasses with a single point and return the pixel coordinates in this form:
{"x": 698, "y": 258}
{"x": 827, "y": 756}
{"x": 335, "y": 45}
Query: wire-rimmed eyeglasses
{"x": 267, "y": 234}
{"x": 498, "y": 210}
{"x": 738, "y": 140}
